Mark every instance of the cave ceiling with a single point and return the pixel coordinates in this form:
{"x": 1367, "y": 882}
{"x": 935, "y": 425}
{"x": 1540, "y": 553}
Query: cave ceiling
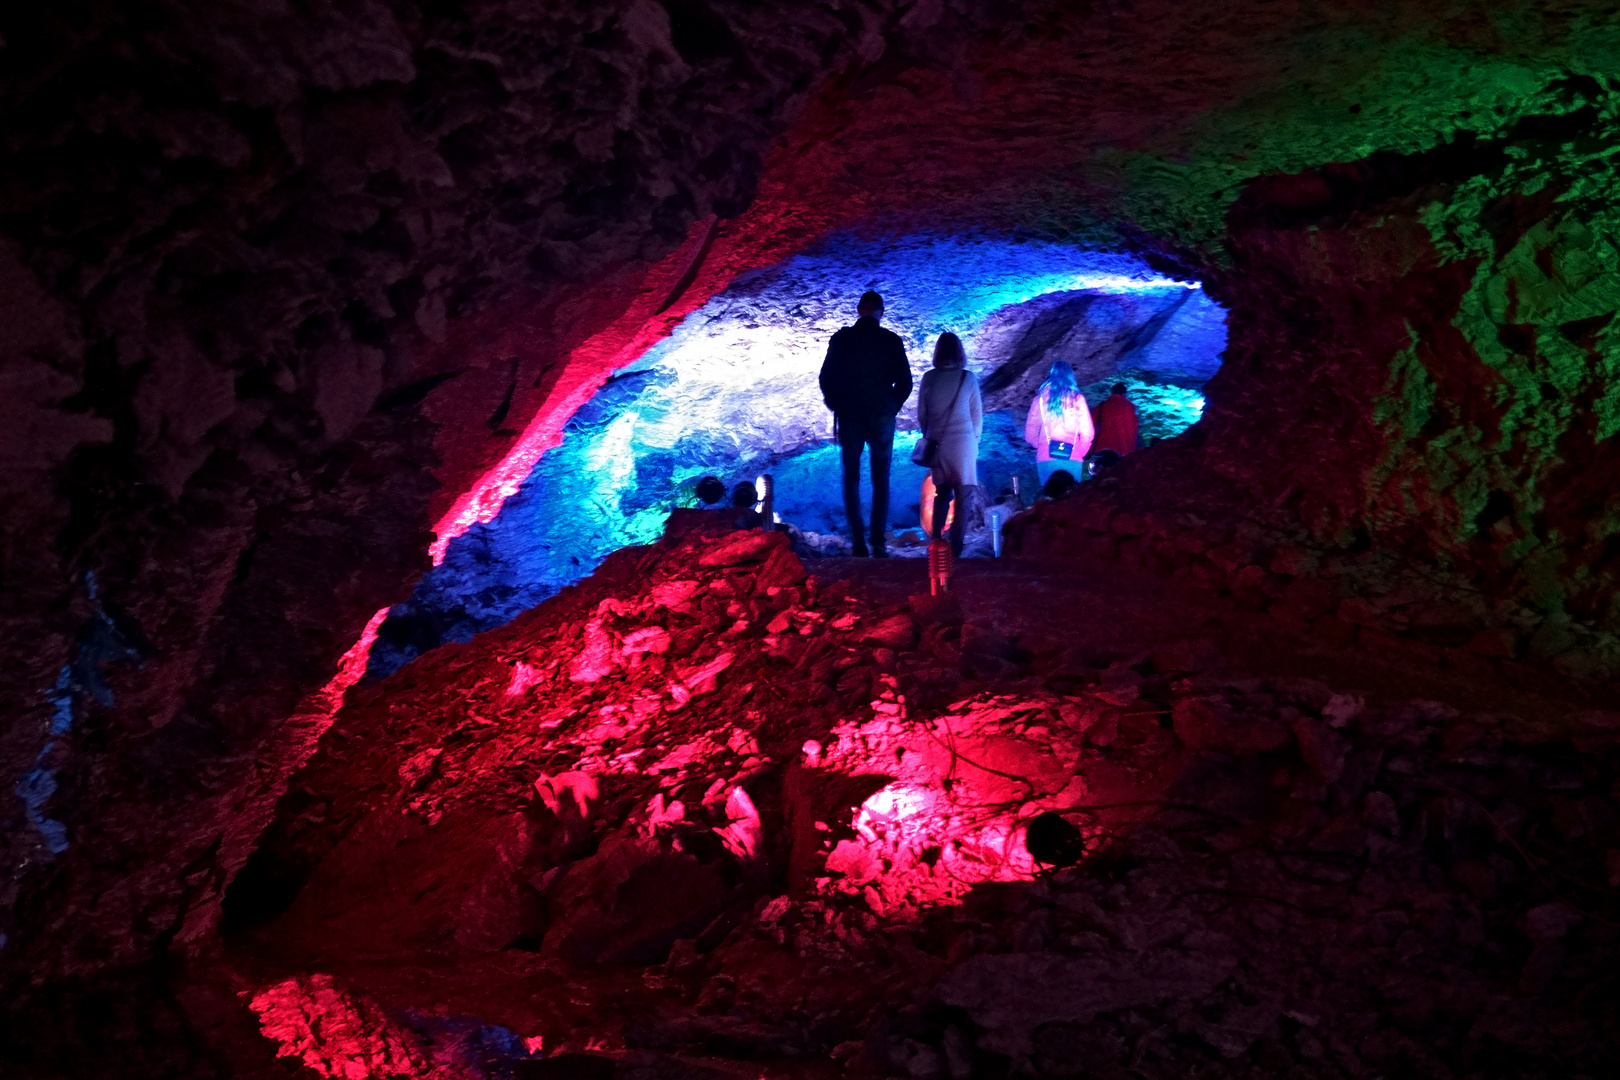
{"x": 284, "y": 288}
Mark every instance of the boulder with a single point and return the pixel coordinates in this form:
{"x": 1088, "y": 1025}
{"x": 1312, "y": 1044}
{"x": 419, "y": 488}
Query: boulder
{"x": 782, "y": 570}
{"x": 1310, "y": 598}
{"x": 1095, "y": 516}
{"x": 500, "y": 907}
{"x": 1334, "y": 631}
{"x": 1498, "y": 642}
{"x": 629, "y": 903}
{"x": 1066, "y": 1049}
{"x": 1127, "y": 524}
{"x": 1231, "y": 556}
{"x": 1293, "y": 561}
{"x": 984, "y": 640}
{"x": 1119, "y": 685}
{"x": 597, "y": 658}
{"x": 1194, "y": 656}
{"x": 897, "y": 632}
{"x": 1358, "y": 611}
{"x": 1324, "y": 750}
{"x": 688, "y": 521}
{"x": 747, "y": 546}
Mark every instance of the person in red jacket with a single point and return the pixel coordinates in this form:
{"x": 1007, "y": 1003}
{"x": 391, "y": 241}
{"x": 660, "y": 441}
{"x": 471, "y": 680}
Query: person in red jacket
{"x": 1116, "y": 425}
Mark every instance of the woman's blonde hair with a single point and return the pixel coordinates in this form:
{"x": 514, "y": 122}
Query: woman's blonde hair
{"x": 948, "y": 351}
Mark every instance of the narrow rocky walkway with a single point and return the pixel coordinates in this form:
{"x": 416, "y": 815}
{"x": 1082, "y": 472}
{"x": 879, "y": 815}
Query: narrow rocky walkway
{"x": 1100, "y": 606}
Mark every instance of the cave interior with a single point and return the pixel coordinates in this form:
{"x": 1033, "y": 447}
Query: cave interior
{"x": 732, "y": 393}
{"x": 383, "y": 703}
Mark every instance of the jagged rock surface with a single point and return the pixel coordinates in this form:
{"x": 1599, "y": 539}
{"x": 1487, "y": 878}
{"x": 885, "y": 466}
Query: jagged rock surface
{"x": 800, "y": 814}
{"x": 264, "y": 266}
{"x": 233, "y": 242}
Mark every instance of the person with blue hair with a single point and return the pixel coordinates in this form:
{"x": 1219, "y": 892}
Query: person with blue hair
{"x": 1059, "y": 424}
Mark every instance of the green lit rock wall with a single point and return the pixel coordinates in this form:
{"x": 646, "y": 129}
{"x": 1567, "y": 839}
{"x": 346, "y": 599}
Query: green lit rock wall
{"x": 1416, "y": 227}
{"x": 1534, "y": 475}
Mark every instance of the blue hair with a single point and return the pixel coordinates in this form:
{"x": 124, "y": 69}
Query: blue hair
{"x": 1060, "y": 383}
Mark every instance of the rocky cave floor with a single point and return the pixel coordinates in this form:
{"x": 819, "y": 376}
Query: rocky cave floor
{"x": 700, "y": 815}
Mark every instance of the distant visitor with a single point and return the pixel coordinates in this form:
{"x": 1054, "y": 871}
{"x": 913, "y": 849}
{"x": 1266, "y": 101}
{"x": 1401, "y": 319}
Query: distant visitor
{"x": 1103, "y": 460}
{"x": 744, "y": 497}
{"x": 1059, "y": 423}
{"x": 864, "y": 381}
{"x": 1117, "y": 428}
{"x": 1059, "y": 484}
{"x": 951, "y": 416}
{"x": 710, "y": 490}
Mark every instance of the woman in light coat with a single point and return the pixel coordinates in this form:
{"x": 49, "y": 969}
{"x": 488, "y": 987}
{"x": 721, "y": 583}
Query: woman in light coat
{"x": 950, "y": 412}
{"x": 1059, "y": 424}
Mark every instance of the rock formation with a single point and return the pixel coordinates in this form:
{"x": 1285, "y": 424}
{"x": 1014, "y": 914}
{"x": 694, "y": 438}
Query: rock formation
{"x": 802, "y": 811}
{"x": 294, "y": 296}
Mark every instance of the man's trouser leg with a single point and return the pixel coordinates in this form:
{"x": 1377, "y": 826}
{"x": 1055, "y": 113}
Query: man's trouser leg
{"x": 959, "y": 525}
{"x": 851, "y": 438}
{"x": 880, "y": 435}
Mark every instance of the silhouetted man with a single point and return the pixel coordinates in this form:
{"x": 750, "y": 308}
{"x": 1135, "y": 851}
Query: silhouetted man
{"x": 864, "y": 380}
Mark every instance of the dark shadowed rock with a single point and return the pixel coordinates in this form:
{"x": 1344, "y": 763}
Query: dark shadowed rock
{"x": 629, "y": 902}
{"x": 936, "y": 610}
{"x": 895, "y": 632}
{"x": 1011, "y": 996}
{"x": 1209, "y": 723}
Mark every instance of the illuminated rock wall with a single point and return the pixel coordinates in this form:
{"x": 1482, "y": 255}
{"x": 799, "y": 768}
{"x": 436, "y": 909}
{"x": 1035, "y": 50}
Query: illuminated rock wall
{"x": 733, "y": 392}
{"x": 282, "y": 284}
{"x": 807, "y": 822}
{"x": 1436, "y": 390}
{"x": 258, "y": 265}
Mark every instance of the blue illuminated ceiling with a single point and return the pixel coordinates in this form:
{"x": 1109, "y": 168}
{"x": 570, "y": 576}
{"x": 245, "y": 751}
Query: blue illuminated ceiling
{"x": 733, "y": 392}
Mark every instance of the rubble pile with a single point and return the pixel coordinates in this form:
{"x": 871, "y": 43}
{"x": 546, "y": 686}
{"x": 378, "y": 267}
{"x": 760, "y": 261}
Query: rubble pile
{"x": 704, "y": 808}
{"x": 1396, "y": 891}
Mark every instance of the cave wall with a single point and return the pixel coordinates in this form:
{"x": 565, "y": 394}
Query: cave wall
{"x": 733, "y": 392}
{"x": 1410, "y": 220}
{"x": 1420, "y": 363}
{"x": 268, "y": 263}
{"x": 292, "y": 282}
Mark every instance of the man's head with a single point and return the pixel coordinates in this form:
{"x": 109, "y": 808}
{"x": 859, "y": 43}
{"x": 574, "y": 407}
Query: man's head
{"x": 871, "y": 304}
{"x": 1119, "y": 388}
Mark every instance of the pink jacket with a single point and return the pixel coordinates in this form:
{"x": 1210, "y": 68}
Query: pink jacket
{"x": 1074, "y": 426}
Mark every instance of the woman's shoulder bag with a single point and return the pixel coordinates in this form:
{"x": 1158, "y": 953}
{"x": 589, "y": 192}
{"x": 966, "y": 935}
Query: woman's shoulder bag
{"x": 926, "y": 450}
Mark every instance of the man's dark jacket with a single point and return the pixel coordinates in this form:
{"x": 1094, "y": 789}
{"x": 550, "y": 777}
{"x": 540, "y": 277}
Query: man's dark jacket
{"x": 866, "y": 372}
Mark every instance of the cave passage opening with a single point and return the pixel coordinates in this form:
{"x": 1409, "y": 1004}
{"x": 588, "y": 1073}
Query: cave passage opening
{"x": 733, "y": 393}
